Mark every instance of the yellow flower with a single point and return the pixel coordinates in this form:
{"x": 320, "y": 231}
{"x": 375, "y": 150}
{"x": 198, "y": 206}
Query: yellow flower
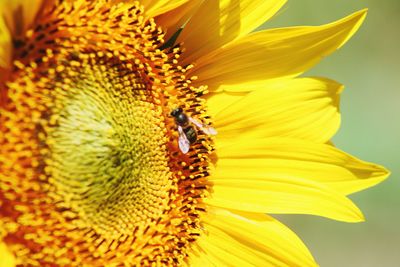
{"x": 93, "y": 166}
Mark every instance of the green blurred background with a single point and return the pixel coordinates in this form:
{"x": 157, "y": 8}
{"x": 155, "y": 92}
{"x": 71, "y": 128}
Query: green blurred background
{"x": 369, "y": 66}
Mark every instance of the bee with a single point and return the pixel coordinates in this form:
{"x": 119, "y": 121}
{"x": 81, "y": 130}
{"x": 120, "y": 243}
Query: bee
{"x": 187, "y": 133}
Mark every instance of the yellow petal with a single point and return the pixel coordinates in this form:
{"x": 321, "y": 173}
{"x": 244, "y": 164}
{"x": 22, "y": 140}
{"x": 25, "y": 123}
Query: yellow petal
{"x": 252, "y": 191}
{"x": 196, "y": 260}
{"x": 16, "y": 17}
{"x": 219, "y": 22}
{"x": 5, "y": 45}
{"x": 305, "y": 108}
{"x": 173, "y": 20}
{"x": 216, "y": 102}
{"x": 242, "y": 239}
{"x": 295, "y": 158}
{"x": 274, "y": 53}
{"x": 248, "y": 86}
{"x": 6, "y": 258}
{"x": 154, "y": 8}
{"x": 146, "y": 3}
{"x": 20, "y": 14}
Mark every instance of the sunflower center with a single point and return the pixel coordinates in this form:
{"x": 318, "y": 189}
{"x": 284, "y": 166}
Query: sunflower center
{"x": 93, "y": 173}
{"x": 107, "y": 147}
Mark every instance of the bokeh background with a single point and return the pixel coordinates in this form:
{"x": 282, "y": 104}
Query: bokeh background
{"x": 369, "y": 66}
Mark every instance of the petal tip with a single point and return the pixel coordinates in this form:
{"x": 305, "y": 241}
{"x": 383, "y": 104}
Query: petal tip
{"x": 361, "y": 218}
{"x": 356, "y": 19}
{"x": 356, "y": 217}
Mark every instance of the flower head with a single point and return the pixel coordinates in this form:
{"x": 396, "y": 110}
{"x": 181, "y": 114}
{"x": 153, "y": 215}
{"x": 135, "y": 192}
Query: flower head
{"x": 108, "y": 149}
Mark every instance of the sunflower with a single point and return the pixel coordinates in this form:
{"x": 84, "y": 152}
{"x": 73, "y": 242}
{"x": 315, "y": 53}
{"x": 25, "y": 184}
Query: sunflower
{"x": 109, "y": 111}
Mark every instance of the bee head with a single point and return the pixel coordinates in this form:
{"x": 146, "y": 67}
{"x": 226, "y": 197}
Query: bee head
{"x": 180, "y": 117}
{"x": 175, "y": 113}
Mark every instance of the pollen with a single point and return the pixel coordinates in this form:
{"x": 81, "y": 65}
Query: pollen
{"x": 90, "y": 169}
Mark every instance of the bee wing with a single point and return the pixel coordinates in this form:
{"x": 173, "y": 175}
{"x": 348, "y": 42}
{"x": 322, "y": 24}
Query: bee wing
{"x": 183, "y": 142}
{"x": 205, "y": 128}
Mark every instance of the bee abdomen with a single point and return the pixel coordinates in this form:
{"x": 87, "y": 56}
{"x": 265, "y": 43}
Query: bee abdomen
{"x": 191, "y": 134}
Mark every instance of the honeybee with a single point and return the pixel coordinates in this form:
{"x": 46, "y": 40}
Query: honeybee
{"x": 187, "y": 133}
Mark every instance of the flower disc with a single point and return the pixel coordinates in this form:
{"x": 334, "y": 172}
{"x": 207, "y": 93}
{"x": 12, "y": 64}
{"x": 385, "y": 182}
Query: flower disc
{"x": 93, "y": 173}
